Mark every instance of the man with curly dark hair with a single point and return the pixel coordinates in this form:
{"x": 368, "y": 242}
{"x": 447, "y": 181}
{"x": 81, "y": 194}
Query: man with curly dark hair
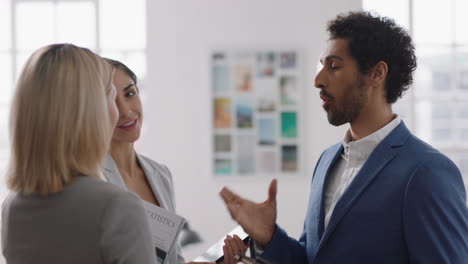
{"x": 381, "y": 195}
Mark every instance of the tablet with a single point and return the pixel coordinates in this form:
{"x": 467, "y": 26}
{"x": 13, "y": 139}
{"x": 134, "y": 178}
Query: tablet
{"x": 215, "y": 252}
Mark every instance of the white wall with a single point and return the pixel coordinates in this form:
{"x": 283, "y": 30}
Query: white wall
{"x": 178, "y": 115}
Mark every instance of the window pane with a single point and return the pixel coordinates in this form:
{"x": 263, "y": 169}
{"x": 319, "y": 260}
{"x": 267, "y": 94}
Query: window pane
{"x": 21, "y": 58}
{"x": 4, "y": 149}
{"x": 461, "y": 159}
{"x": 463, "y": 165}
{"x": 461, "y": 122}
{"x": 402, "y": 108}
{"x": 396, "y": 9}
{"x": 34, "y": 25}
{"x": 122, "y": 24}
{"x": 76, "y": 23}
{"x": 4, "y": 117}
{"x": 463, "y": 80}
{"x": 435, "y": 72}
{"x": 433, "y": 21}
{"x": 441, "y": 111}
{"x": 442, "y": 123}
{"x": 136, "y": 61}
{"x": 423, "y": 119}
{"x": 7, "y": 80}
{"x": 461, "y": 35}
{"x": 441, "y": 134}
{"x": 462, "y": 70}
{"x": 5, "y": 25}
{"x": 462, "y": 110}
{"x": 442, "y": 80}
{"x": 4, "y": 156}
{"x": 114, "y": 55}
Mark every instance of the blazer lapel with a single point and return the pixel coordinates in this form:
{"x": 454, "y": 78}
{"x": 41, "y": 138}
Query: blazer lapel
{"x": 112, "y": 174}
{"x": 154, "y": 180}
{"x": 379, "y": 158}
{"x": 316, "y": 194}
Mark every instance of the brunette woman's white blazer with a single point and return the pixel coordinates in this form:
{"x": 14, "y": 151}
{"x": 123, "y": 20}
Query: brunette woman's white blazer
{"x": 160, "y": 180}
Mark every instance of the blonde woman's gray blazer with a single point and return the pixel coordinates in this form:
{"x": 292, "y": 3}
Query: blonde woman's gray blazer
{"x": 160, "y": 180}
{"x": 90, "y": 222}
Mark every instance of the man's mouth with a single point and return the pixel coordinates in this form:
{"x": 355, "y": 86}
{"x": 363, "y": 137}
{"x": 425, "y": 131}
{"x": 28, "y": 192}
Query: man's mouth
{"x": 326, "y": 100}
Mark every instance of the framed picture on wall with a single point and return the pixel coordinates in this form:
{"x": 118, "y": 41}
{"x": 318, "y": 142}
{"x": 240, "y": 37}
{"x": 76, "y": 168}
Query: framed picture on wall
{"x": 257, "y": 112}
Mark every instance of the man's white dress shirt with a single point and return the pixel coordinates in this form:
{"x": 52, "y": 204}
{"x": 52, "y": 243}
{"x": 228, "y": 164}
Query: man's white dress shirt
{"x": 352, "y": 159}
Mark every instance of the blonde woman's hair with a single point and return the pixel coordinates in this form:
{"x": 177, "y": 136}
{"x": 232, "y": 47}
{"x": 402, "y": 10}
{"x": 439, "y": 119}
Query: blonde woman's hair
{"x": 59, "y": 122}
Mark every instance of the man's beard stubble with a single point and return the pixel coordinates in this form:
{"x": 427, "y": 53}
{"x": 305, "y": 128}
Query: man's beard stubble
{"x": 350, "y": 110}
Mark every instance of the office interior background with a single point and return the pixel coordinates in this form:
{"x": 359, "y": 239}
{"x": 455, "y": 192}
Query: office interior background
{"x": 168, "y": 44}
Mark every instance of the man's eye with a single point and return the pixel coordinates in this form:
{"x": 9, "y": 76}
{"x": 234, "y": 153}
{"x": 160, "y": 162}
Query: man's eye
{"x": 130, "y": 94}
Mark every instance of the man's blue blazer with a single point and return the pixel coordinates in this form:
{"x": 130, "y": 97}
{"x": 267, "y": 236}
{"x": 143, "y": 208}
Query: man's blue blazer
{"x": 407, "y": 204}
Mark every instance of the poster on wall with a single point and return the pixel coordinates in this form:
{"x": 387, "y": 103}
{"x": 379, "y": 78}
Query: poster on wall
{"x": 257, "y": 112}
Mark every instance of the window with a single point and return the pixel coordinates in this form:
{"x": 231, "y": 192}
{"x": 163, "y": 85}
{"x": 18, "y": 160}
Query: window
{"x": 436, "y": 107}
{"x": 112, "y": 28}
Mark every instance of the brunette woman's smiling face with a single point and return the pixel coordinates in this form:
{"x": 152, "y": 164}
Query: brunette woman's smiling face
{"x": 128, "y": 103}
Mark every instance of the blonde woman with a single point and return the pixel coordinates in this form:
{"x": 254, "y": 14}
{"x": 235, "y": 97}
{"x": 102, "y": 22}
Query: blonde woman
{"x": 60, "y": 211}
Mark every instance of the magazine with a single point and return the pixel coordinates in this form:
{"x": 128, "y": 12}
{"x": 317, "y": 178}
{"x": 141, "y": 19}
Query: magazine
{"x": 165, "y": 228}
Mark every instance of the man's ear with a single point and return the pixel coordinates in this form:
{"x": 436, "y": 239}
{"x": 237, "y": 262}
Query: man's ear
{"x": 378, "y": 73}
